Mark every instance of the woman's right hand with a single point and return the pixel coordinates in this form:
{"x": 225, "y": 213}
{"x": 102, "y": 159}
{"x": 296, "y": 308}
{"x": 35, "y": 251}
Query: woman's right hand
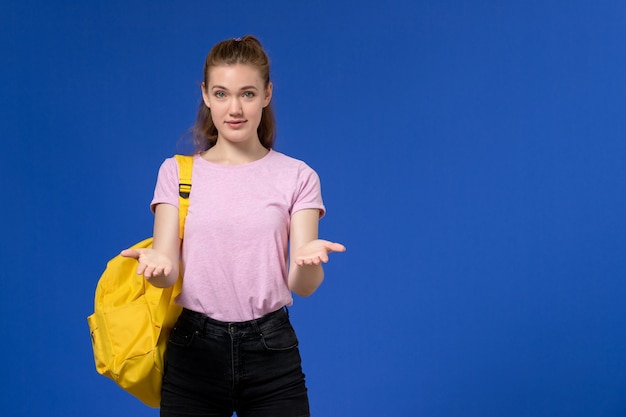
{"x": 151, "y": 263}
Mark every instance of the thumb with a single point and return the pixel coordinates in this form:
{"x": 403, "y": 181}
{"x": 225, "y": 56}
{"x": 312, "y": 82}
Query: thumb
{"x": 335, "y": 247}
{"x": 131, "y": 253}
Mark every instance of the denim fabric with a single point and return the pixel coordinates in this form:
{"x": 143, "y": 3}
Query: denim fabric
{"x": 215, "y": 368}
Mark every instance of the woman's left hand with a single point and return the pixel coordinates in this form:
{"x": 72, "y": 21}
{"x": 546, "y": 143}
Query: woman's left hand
{"x": 316, "y": 252}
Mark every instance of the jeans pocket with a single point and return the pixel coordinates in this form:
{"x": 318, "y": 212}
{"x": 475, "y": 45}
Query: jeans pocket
{"x": 182, "y": 336}
{"x": 280, "y": 338}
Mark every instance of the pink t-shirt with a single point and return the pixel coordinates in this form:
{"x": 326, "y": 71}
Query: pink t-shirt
{"x": 235, "y": 247}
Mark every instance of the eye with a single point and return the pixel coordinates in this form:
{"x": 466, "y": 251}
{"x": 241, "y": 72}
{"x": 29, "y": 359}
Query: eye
{"x": 220, "y": 94}
{"x": 248, "y": 94}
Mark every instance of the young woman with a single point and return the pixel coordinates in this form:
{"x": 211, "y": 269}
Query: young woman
{"x": 251, "y": 239}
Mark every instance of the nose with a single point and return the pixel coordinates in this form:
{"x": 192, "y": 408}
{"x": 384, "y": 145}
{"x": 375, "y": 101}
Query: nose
{"x": 234, "y": 109}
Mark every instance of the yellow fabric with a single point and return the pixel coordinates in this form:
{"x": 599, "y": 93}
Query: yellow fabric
{"x": 132, "y": 319}
{"x": 185, "y": 167}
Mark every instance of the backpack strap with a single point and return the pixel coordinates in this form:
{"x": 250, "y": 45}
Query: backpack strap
{"x": 185, "y": 168}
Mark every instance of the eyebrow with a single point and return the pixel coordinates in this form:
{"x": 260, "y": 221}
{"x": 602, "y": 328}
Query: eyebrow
{"x": 247, "y": 87}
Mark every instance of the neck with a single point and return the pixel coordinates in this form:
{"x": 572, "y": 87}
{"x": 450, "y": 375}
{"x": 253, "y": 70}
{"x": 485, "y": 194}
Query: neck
{"x": 228, "y": 153}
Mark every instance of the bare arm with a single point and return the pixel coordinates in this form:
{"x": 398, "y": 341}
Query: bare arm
{"x": 307, "y": 253}
{"x": 160, "y": 264}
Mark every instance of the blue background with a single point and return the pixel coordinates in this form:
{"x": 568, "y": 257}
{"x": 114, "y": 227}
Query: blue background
{"x": 472, "y": 160}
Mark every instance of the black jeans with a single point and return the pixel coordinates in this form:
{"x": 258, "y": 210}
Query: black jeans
{"x": 215, "y": 368}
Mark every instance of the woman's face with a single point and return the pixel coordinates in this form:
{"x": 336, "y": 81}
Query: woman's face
{"x": 236, "y": 95}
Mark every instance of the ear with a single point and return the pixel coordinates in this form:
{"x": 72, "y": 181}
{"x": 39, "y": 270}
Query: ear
{"x": 205, "y": 96}
{"x": 268, "y": 94}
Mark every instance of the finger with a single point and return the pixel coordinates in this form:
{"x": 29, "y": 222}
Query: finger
{"x": 148, "y": 272}
{"x": 335, "y": 247}
{"x": 161, "y": 270}
{"x": 167, "y": 270}
{"x": 141, "y": 268}
{"x": 130, "y": 253}
{"x": 303, "y": 262}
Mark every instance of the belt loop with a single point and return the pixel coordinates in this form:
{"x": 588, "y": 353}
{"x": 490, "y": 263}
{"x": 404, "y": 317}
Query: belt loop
{"x": 256, "y": 327}
{"x": 205, "y": 324}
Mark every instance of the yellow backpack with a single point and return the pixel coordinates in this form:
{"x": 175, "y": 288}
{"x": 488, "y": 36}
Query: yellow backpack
{"x": 132, "y": 318}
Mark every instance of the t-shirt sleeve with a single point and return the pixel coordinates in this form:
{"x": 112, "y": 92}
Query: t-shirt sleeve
{"x": 166, "y": 190}
{"x": 309, "y": 195}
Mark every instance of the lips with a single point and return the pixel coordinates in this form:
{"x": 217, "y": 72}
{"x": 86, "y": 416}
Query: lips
{"x": 235, "y": 124}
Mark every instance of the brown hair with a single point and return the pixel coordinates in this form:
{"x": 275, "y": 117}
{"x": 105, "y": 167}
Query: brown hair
{"x": 249, "y": 51}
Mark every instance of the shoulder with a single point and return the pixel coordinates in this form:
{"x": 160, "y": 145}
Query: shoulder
{"x": 169, "y": 167}
{"x": 287, "y": 162}
{"x": 305, "y": 182}
{"x": 169, "y": 163}
{"x": 169, "y": 170}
